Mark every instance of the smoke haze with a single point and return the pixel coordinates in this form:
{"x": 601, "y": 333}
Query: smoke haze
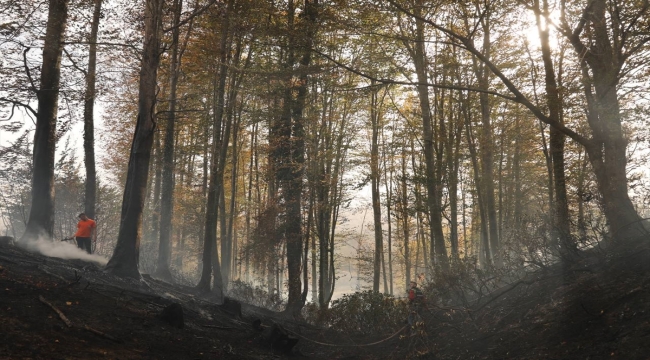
{"x": 61, "y": 250}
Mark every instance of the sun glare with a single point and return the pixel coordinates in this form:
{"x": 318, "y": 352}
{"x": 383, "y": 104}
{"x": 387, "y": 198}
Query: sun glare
{"x": 531, "y": 31}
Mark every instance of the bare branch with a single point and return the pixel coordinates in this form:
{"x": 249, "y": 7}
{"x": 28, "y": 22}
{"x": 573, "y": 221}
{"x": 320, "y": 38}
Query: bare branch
{"x": 18, "y": 103}
{"x": 13, "y": 108}
{"x": 565, "y": 29}
{"x": 74, "y": 63}
{"x": 639, "y": 15}
{"x": 28, "y": 72}
{"x": 185, "y": 41}
{"x": 636, "y": 48}
{"x": 583, "y": 21}
{"x": 411, "y": 83}
{"x": 101, "y": 43}
{"x": 519, "y": 97}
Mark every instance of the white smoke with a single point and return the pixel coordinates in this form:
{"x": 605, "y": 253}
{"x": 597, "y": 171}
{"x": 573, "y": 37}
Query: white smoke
{"x": 61, "y": 250}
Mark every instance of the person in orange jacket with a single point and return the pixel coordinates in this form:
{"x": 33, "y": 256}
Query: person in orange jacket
{"x": 86, "y": 232}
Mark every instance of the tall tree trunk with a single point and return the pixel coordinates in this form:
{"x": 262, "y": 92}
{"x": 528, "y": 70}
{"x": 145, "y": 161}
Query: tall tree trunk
{"x": 314, "y": 267}
{"x": 90, "y": 195}
{"x": 419, "y": 206}
{"x": 500, "y": 179}
{"x": 388, "y": 181}
{"x": 249, "y": 199}
{"x": 452, "y": 153}
{"x": 516, "y": 169}
{"x": 480, "y": 203}
{"x": 217, "y": 166}
{"x": 438, "y": 247}
{"x": 124, "y": 261}
{"x": 41, "y": 214}
{"x": 374, "y": 177}
{"x": 293, "y": 191}
{"x": 218, "y": 278}
{"x": 487, "y": 148}
{"x": 582, "y": 169}
{"x": 405, "y": 218}
{"x": 550, "y": 193}
{"x": 310, "y": 241}
{"x": 151, "y": 224}
{"x": 204, "y": 186}
{"x": 328, "y": 151}
{"x": 560, "y": 211}
{"x": 323, "y": 225}
{"x": 230, "y": 232}
{"x": 167, "y": 201}
{"x": 228, "y": 245}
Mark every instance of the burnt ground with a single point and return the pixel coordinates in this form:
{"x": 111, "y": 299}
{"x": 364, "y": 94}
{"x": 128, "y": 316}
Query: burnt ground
{"x": 597, "y": 307}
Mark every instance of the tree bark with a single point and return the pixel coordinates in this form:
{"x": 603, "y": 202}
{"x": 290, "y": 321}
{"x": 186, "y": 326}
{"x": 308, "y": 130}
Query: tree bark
{"x": 41, "y": 214}
{"x": 217, "y": 166}
{"x": 374, "y": 177}
{"x": 90, "y": 197}
{"x": 126, "y": 256}
{"x": 560, "y": 211}
{"x": 292, "y": 192}
{"x": 167, "y": 200}
{"x": 480, "y": 203}
{"x": 435, "y": 223}
{"x": 405, "y": 218}
{"x": 231, "y": 249}
{"x": 607, "y": 150}
{"x": 249, "y": 199}
{"x": 228, "y": 246}
{"x": 487, "y": 149}
{"x": 388, "y": 182}
{"x": 453, "y": 167}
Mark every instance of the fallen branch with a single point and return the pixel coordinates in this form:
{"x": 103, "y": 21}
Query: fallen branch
{"x": 99, "y": 333}
{"x": 220, "y": 327}
{"x": 61, "y": 315}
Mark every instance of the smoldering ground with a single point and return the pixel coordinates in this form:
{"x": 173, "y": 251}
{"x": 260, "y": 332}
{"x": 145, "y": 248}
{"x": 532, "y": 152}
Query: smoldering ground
{"x": 60, "y": 249}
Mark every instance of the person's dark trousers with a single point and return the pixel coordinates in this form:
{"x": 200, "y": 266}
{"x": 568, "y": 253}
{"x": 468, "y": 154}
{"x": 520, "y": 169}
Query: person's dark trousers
{"x": 84, "y": 244}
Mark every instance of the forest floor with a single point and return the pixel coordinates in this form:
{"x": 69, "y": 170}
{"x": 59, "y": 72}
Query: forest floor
{"x": 598, "y": 307}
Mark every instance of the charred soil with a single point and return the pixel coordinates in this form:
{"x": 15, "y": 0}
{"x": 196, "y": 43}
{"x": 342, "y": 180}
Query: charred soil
{"x": 597, "y": 307}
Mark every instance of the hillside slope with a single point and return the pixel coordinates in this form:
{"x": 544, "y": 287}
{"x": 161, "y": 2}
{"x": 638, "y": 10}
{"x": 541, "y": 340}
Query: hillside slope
{"x": 595, "y": 308}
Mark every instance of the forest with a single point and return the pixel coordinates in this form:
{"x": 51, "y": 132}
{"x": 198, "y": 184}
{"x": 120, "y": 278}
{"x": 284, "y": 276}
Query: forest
{"x": 301, "y": 155}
